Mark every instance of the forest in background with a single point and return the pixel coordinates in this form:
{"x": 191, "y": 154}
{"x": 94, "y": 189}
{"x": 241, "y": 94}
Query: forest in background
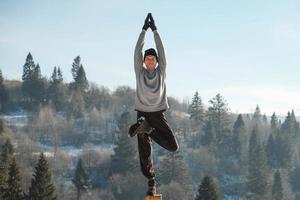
{"x": 81, "y": 129}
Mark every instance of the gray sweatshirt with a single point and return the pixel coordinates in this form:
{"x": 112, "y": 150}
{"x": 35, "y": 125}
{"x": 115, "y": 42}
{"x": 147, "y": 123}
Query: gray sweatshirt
{"x": 150, "y": 86}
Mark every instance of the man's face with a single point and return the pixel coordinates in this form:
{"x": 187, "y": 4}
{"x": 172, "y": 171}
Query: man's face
{"x": 150, "y": 62}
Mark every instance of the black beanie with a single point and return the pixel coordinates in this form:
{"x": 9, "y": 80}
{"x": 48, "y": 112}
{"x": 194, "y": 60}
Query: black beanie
{"x": 150, "y": 51}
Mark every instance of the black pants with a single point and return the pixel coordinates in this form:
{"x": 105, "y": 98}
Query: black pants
{"x": 162, "y": 135}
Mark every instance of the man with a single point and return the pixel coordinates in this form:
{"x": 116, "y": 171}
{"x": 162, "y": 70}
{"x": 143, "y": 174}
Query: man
{"x": 151, "y": 103}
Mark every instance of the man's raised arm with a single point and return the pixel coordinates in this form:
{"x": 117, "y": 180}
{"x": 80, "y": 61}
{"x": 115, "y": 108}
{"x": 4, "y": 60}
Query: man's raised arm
{"x": 138, "y": 52}
{"x": 159, "y": 45}
{"x": 161, "y": 51}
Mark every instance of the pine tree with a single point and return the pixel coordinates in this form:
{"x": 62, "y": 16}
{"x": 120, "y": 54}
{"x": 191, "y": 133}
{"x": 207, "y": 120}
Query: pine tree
{"x": 1, "y": 126}
{"x": 174, "y": 168}
{"x": 54, "y": 75}
{"x": 76, "y": 106}
{"x": 1, "y": 77}
{"x": 239, "y": 132}
{"x": 125, "y": 158}
{"x": 78, "y": 73}
{"x": 3, "y": 180}
{"x": 284, "y": 151}
{"x": 56, "y": 92}
{"x": 196, "y": 109}
{"x": 257, "y": 117}
{"x": 33, "y": 85}
{"x": 6, "y": 154}
{"x": 295, "y": 124}
{"x": 59, "y": 75}
{"x": 277, "y": 190}
{"x": 13, "y": 191}
{"x": 75, "y": 66}
{"x": 207, "y": 190}
{"x": 81, "y": 179}
{"x": 271, "y": 150}
{"x": 28, "y": 71}
{"x": 285, "y": 140}
{"x": 295, "y": 179}
{"x": 41, "y": 187}
{"x": 38, "y": 85}
{"x": 257, "y": 168}
{"x": 3, "y": 93}
{"x": 28, "y": 68}
{"x": 81, "y": 80}
{"x": 6, "y": 151}
{"x": 209, "y": 136}
{"x": 37, "y": 72}
{"x": 290, "y": 126}
{"x": 265, "y": 119}
{"x": 274, "y": 125}
{"x": 166, "y": 172}
{"x": 218, "y": 114}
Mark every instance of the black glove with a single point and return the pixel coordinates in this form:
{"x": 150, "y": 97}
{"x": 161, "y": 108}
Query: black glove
{"x": 152, "y": 23}
{"x": 146, "y": 24}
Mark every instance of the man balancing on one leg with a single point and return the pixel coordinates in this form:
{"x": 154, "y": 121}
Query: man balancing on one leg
{"x": 151, "y": 103}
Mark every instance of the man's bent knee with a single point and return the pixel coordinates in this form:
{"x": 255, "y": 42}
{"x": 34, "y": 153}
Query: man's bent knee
{"x": 174, "y": 148}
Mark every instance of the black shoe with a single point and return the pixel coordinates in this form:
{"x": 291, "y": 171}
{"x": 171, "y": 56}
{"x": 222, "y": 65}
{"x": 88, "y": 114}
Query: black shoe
{"x": 142, "y": 126}
{"x": 132, "y": 130}
{"x": 151, "y": 187}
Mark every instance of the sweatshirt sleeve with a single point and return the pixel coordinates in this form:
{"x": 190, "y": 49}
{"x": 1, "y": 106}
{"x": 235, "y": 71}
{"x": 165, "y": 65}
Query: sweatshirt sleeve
{"x": 161, "y": 51}
{"x": 138, "y": 54}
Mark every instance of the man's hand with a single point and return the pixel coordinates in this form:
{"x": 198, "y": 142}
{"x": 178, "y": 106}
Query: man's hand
{"x": 152, "y": 23}
{"x": 147, "y": 24}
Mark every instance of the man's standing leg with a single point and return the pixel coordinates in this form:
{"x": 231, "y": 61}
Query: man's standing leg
{"x": 163, "y": 135}
{"x": 145, "y": 151}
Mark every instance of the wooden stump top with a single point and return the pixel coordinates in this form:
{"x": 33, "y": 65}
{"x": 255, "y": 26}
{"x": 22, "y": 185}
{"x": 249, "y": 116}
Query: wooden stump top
{"x": 155, "y": 197}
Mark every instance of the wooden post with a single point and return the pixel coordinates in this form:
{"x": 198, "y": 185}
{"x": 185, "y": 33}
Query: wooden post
{"x": 155, "y": 197}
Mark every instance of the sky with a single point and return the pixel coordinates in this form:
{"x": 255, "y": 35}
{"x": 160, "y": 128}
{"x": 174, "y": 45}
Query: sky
{"x": 248, "y": 51}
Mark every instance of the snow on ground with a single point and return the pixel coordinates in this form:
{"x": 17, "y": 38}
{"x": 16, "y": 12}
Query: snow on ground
{"x": 73, "y": 151}
{"x": 16, "y": 119}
